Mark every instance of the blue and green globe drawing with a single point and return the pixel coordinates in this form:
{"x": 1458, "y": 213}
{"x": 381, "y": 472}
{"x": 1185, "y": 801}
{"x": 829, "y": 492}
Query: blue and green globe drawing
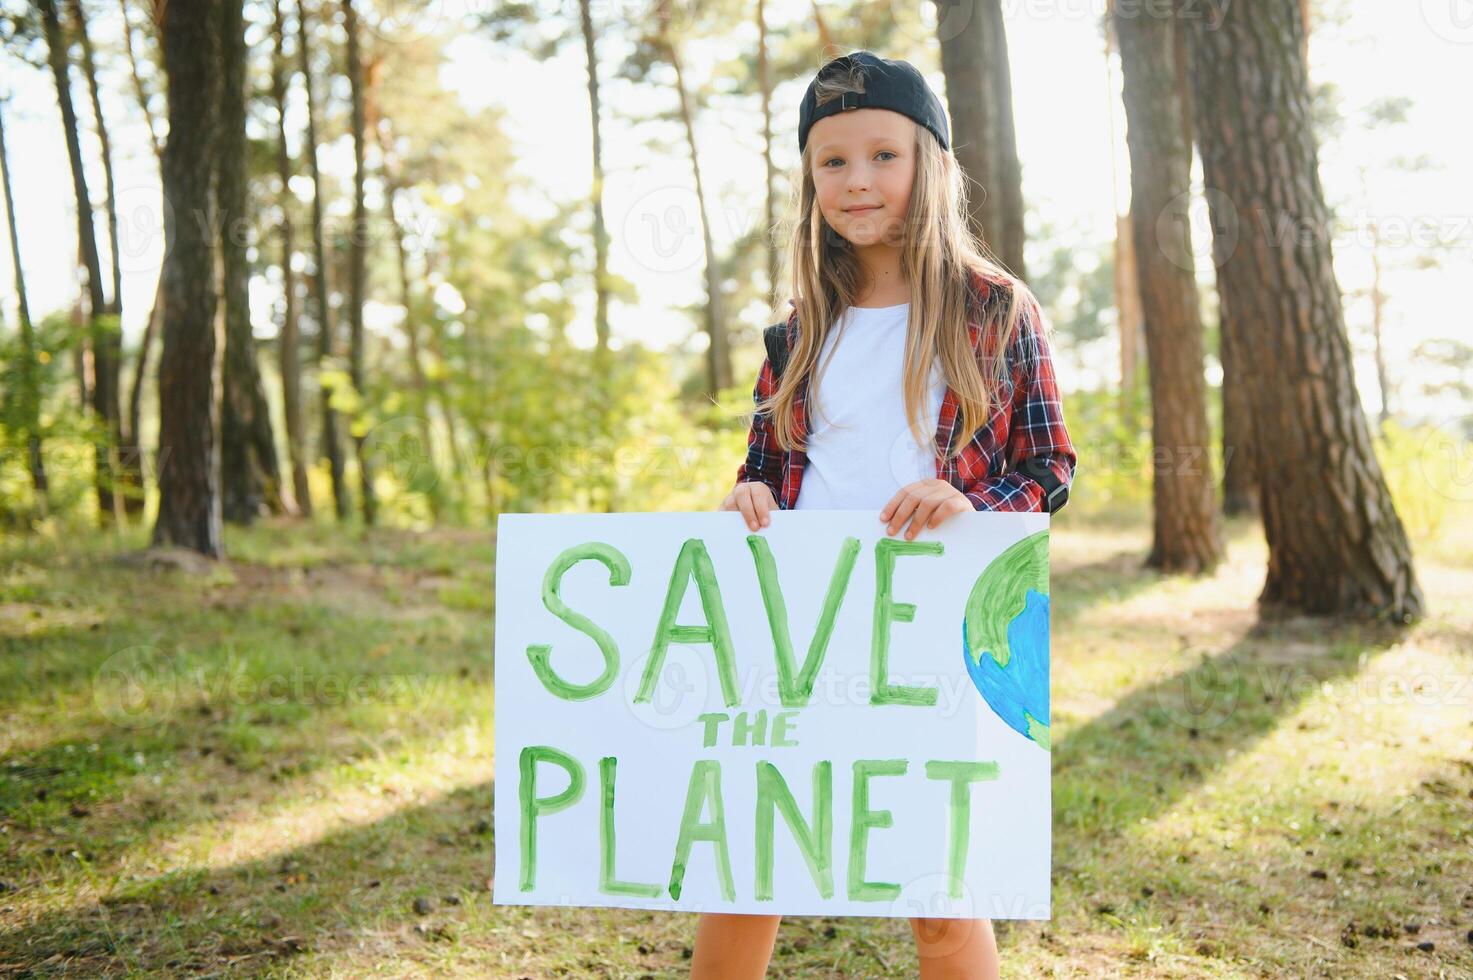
{"x": 1005, "y": 637}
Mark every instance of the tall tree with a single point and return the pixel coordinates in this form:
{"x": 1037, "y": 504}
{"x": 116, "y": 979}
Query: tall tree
{"x": 331, "y": 445}
{"x": 1336, "y": 543}
{"x": 358, "y": 264}
{"x": 605, "y": 483}
{"x": 103, "y": 331}
{"x": 133, "y": 463}
{"x": 718, "y": 349}
{"x": 1187, "y": 533}
{"x": 89, "y": 70}
{"x": 189, "y": 455}
{"x": 249, "y": 476}
{"x": 979, "y": 96}
{"x": 290, "y": 351}
{"x": 130, "y": 454}
{"x": 30, "y": 394}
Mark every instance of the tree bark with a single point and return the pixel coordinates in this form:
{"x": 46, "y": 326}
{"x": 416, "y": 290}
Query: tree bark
{"x": 357, "y": 268}
{"x": 1239, "y": 473}
{"x": 156, "y": 144}
{"x": 603, "y": 488}
{"x": 1187, "y": 533}
{"x": 291, "y": 343}
{"x": 718, "y": 352}
{"x": 249, "y": 477}
{"x": 103, "y": 331}
{"x": 331, "y": 446}
{"x": 979, "y": 96}
{"x": 30, "y": 392}
{"x": 189, "y": 456}
{"x": 1336, "y": 543}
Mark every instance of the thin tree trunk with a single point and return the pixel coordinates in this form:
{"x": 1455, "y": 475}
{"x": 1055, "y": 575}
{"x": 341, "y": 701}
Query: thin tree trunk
{"x": 79, "y": 21}
{"x": 291, "y": 343}
{"x": 139, "y": 91}
{"x": 30, "y": 392}
{"x": 769, "y": 167}
{"x": 357, "y": 255}
{"x": 718, "y": 353}
{"x": 127, "y": 458}
{"x": 604, "y": 485}
{"x": 979, "y": 94}
{"x": 1378, "y": 318}
{"x": 1187, "y": 534}
{"x": 189, "y": 455}
{"x": 103, "y": 330}
{"x": 133, "y": 470}
{"x": 1336, "y": 544}
{"x": 1239, "y": 471}
{"x": 249, "y": 476}
{"x": 331, "y": 447}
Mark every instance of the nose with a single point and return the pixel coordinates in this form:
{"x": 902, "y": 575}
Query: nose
{"x": 858, "y": 178}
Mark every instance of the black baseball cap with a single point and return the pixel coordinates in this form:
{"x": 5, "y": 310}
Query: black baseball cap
{"x": 895, "y": 85}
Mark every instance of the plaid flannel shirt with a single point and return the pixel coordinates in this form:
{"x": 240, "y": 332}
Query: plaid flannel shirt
{"x": 1030, "y": 424}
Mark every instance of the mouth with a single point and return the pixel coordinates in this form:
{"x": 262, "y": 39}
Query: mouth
{"x": 862, "y": 210}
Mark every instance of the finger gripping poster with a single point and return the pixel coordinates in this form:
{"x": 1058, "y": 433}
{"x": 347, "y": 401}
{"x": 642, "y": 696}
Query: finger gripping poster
{"x": 816, "y": 718}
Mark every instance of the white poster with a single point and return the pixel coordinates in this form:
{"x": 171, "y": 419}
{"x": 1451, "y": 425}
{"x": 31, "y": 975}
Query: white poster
{"x": 816, "y": 718}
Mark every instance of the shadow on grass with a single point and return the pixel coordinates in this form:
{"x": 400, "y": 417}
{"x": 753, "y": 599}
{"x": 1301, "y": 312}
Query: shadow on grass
{"x": 1163, "y": 740}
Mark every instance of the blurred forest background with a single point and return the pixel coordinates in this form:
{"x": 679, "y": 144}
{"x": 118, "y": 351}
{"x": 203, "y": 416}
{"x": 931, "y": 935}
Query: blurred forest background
{"x": 324, "y": 286}
{"x": 412, "y": 330}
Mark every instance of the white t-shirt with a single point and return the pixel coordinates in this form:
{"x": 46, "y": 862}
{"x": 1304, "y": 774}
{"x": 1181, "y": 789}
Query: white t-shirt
{"x": 860, "y": 448}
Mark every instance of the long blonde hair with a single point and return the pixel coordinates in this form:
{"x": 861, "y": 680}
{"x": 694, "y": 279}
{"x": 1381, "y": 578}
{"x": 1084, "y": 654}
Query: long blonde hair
{"x": 943, "y": 262}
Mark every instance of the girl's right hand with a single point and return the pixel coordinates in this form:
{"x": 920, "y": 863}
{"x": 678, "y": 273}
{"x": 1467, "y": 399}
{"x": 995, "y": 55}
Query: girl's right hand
{"x": 754, "y": 500}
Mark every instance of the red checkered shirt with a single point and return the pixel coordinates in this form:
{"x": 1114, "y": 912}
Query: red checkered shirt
{"x": 1030, "y": 424}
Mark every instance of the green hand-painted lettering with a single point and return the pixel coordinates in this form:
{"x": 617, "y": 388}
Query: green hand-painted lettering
{"x": 693, "y": 561}
{"x": 540, "y": 653}
{"x": 815, "y": 840}
{"x": 862, "y": 821}
{"x": 887, "y": 610}
{"x": 795, "y": 685}
{"x": 705, "y": 783}
{"x": 607, "y": 883}
{"x": 962, "y": 775}
{"x": 534, "y": 807}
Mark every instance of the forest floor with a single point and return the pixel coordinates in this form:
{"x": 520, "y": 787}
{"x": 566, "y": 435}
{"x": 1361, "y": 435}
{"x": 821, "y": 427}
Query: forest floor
{"x": 283, "y": 767}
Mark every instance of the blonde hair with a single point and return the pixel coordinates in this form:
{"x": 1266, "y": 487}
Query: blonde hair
{"x": 944, "y": 263}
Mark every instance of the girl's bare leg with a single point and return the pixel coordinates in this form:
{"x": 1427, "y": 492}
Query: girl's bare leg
{"x": 956, "y": 949}
{"x": 733, "y": 947}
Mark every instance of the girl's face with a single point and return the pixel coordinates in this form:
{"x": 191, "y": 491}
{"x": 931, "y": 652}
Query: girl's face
{"x": 863, "y": 168}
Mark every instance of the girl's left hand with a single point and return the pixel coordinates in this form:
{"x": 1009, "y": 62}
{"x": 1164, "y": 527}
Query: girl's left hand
{"x": 925, "y": 503}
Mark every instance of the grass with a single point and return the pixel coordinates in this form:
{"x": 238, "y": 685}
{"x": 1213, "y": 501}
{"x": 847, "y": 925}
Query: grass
{"x": 283, "y": 768}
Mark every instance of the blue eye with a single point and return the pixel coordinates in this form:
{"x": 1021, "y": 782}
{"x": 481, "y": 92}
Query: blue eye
{"x": 840, "y": 159}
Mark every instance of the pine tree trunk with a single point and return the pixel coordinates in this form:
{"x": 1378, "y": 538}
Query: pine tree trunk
{"x": 1336, "y": 544}
{"x": 103, "y": 333}
{"x": 357, "y": 269}
{"x": 189, "y": 456}
{"x": 248, "y": 473}
{"x": 1239, "y": 474}
{"x": 30, "y": 391}
{"x": 291, "y": 342}
{"x": 602, "y": 486}
{"x": 979, "y": 97}
{"x": 331, "y": 445}
{"x": 1188, "y": 536}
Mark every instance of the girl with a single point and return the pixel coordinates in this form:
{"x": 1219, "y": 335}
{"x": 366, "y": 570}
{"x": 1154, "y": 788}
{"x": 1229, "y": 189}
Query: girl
{"x": 931, "y": 376}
